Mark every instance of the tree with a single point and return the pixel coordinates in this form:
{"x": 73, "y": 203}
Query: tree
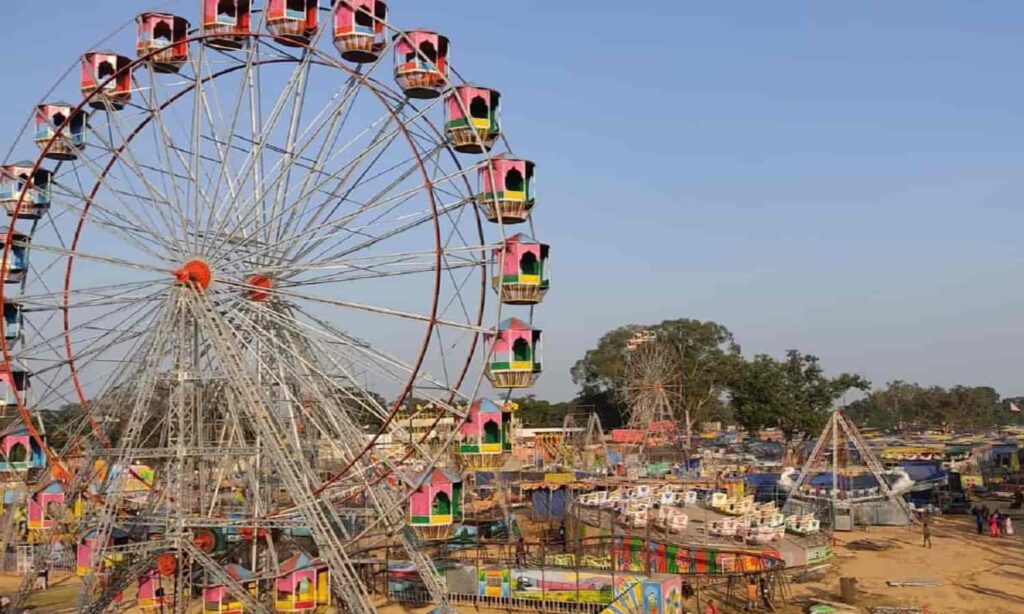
{"x": 537, "y": 413}
{"x": 708, "y": 355}
{"x": 897, "y": 406}
{"x": 905, "y": 407}
{"x": 793, "y": 394}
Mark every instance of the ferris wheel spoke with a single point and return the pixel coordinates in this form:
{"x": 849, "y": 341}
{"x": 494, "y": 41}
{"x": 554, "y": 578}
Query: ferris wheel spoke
{"x": 125, "y": 229}
{"x": 300, "y": 202}
{"x": 408, "y": 223}
{"x": 378, "y": 362}
{"x": 128, "y": 222}
{"x": 378, "y": 146}
{"x": 384, "y": 363}
{"x": 376, "y": 202}
{"x": 329, "y": 143}
{"x": 281, "y": 187}
{"x": 314, "y": 237}
{"x": 73, "y": 298}
{"x": 370, "y": 266}
{"x": 87, "y": 347}
{"x": 222, "y": 145}
{"x": 226, "y": 146}
{"x": 289, "y": 294}
{"x": 254, "y": 161}
{"x": 125, "y": 155}
{"x": 293, "y": 347}
{"x": 164, "y": 145}
{"x": 308, "y": 347}
{"x": 79, "y": 254}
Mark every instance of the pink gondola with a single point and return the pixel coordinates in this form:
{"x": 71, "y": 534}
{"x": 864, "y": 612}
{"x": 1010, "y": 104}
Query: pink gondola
{"x": 292, "y": 22}
{"x": 360, "y": 29}
{"x": 164, "y": 36}
{"x": 515, "y": 355}
{"x": 436, "y": 505}
{"x": 507, "y": 191}
{"x": 523, "y": 265}
{"x": 109, "y": 77}
{"x": 49, "y": 119}
{"x": 19, "y": 184}
{"x": 226, "y": 23}
{"x": 473, "y": 118}
{"x": 421, "y": 63}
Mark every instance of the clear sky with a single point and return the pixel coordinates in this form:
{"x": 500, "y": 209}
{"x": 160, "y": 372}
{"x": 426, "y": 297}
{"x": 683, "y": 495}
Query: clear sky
{"x": 844, "y": 178}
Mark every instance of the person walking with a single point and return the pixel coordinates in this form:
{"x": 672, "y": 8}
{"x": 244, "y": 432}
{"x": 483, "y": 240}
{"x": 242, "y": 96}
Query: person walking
{"x": 711, "y": 608}
{"x": 1008, "y": 530}
{"x": 926, "y": 532}
{"x": 993, "y": 524}
{"x": 752, "y": 593}
{"x": 521, "y": 551}
{"x": 979, "y": 520}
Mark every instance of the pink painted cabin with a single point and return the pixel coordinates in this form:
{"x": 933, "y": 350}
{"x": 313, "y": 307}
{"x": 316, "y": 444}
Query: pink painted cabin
{"x": 304, "y": 584}
{"x": 44, "y": 505}
{"x": 220, "y": 600}
{"x": 523, "y": 263}
{"x": 49, "y": 118}
{"x": 226, "y": 23}
{"x": 14, "y": 385}
{"x": 486, "y": 429}
{"x": 507, "y": 190}
{"x": 437, "y": 500}
{"x": 360, "y": 29}
{"x": 152, "y": 593}
{"x": 292, "y": 22}
{"x": 20, "y": 185}
{"x": 515, "y": 355}
{"x": 166, "y": 37}
{"x": 421, "y": 63}
{"x": 109, "y": 74}
{"x": 473, "y": 118}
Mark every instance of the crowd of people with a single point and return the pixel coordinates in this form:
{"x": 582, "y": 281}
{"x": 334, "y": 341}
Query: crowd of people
{"x": 997, "y": 524}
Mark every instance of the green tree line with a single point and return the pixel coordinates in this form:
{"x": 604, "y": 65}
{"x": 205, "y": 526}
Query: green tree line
{"x": 792, "y": 392}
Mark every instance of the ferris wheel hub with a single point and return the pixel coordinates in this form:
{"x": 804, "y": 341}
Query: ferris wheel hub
{"x": 259, "y": 287}
{"x": 195, "y": 273}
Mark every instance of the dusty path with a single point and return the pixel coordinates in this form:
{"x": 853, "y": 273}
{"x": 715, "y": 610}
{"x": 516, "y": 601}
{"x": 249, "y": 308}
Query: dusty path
{"x": 979, "y": 574}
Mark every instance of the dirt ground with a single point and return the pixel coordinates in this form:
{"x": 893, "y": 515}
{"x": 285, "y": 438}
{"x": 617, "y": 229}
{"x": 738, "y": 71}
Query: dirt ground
{"x": 979, "y": 574}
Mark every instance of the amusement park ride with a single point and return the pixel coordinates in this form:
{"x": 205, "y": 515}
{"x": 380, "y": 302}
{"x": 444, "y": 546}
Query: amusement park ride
{"x": 209, "y": 224}
{"x": 651, "y": 389}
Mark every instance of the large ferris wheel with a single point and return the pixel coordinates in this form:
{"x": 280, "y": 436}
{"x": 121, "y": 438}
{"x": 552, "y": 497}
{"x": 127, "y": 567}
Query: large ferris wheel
{"x": 218, "y": 256}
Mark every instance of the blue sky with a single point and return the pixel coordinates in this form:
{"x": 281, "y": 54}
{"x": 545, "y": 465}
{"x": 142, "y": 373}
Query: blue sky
{"x": 843, "y": 178}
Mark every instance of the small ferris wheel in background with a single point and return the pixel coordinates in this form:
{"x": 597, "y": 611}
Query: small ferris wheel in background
{"x": 651, "y": 386}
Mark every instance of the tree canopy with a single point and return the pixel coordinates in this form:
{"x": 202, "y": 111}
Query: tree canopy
{"x": 903, "y": 406}
{"x": 793, "y": 394}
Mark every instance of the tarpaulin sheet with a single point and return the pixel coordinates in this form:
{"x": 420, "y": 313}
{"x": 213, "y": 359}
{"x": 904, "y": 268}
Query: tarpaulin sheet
{"x": 548, "y": 504}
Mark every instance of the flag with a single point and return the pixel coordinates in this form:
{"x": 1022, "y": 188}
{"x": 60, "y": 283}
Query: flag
{"x": 1014, "y": 408}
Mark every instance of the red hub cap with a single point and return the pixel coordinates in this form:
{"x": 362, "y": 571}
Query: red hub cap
{"x": 196, "y": 273}
{"x": 258, "y": 286}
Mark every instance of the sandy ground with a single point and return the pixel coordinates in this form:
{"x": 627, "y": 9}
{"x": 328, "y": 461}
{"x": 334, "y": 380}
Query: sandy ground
{"x": 979, "y": 574}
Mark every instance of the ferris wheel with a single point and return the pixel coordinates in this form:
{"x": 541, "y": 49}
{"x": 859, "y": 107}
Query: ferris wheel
{"x": 219, "y": 257}
{"x": 651, "y": 386}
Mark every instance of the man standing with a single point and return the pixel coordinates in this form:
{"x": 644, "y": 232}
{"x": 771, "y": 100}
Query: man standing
{"x": 752, "y": 593}
{"x": 927, "y": 533}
